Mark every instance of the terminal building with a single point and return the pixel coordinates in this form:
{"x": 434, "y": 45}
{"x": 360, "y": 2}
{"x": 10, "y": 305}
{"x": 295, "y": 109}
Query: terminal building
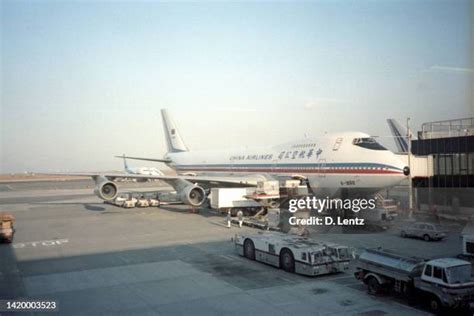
{"x": 450, "y": 186}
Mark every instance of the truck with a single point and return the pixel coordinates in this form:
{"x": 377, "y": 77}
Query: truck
{"x": 467, "y": 235}
{"x": 6, "y": 228}
{"x": 377, "y": 219}
{"x": 442, "y": 283}
{"x": 294, "y": 254}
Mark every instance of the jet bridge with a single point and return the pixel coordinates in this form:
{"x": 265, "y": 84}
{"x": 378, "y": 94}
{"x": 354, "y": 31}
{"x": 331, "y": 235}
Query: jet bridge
{"x": 420, "y": 166}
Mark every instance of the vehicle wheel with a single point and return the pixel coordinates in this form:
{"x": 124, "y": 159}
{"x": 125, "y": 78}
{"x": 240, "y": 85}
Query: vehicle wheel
{"x": 426, "y": 237}
{"x": 373, "y": 286}
{"x": 287, "y": 261}
{"x": 403, "y": 234}
{"x": 435, "y": 305}
{"x": 249, "y": 249}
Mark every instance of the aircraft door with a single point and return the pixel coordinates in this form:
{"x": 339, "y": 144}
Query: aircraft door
{"x": 337, "y": 144}
{"x": 231, "y": 166}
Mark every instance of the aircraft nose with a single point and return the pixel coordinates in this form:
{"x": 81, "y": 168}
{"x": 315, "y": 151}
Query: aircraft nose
{"x": 406, "y": 171}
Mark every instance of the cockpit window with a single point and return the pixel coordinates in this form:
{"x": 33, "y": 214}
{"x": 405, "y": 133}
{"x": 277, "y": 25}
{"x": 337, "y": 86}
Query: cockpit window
{"x": 368, "y": 142}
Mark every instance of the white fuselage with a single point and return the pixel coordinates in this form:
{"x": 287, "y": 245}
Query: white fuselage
{"x": 330, "y": 164}
{"x": 145, "y": 171}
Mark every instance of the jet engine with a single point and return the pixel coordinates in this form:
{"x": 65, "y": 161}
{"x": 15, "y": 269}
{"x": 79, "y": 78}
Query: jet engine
{"x": 105, "y": 189}
{"x": 192, "y": 195}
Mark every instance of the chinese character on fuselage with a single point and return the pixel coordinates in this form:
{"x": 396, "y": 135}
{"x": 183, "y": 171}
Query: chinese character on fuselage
{"x": 319, "y": 152}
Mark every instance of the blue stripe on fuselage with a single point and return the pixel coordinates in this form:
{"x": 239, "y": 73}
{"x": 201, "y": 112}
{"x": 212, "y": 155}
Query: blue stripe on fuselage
{"x": 294, "y": 165}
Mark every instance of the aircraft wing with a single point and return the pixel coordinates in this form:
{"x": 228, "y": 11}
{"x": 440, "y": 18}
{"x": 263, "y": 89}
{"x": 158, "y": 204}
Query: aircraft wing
{"x": 207, "y": 181}
{"x": 145, "y": 159}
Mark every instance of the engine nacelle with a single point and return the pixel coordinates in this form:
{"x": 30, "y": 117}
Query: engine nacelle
{"x": 105, "y": 189}
{"x": 193, "y": 195}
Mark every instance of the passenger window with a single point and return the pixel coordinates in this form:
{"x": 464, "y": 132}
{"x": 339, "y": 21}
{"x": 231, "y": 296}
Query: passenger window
{"x": 428, "y": 270}
{"x": 271, "y": 248}
{"x": 317, "y": 257}
{"x": 438, "y": 273}
{"x": 303, "y": 256}
{"x": 470, "y": 247}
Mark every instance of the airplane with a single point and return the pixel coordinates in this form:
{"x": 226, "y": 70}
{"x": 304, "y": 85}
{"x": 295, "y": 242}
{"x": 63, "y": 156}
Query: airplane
{"x": 349, "y": 164}
{"x": 400, "y": 135}
{"x": 140, "y": 170}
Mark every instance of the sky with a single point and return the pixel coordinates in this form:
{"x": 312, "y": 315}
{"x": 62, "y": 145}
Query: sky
{"x": 82, "y": 81}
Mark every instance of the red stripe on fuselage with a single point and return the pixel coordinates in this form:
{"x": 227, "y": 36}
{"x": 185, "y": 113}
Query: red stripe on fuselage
{"x": 292, "y": 170}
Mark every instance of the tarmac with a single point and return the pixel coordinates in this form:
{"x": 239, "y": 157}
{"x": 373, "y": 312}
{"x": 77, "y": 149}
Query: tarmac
{"x": 98, "y": 259}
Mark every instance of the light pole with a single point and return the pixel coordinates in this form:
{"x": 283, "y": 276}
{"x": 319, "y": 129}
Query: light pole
{"x": 410, "y": 185}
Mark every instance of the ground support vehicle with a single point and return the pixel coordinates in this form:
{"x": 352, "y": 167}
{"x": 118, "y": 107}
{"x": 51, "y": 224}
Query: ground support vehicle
{"x": 154, "y": 202}
{"x": 467, "y": 235}
{"x": 294, "y": 253}
{"x": 442, "y": 283}
{"x": 7, "y": 231}
{"x": 142, "y": 203}
{"x": 123, "y": 201}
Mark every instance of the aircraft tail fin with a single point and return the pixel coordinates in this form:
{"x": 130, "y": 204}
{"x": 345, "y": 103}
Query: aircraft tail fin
{"x": 400, "y": 135}
{"x": 125, "y": 165}
{"x": 174, "y": 141}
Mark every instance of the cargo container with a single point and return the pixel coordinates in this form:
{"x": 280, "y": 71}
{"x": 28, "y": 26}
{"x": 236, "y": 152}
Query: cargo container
{"x": 226, "y": 199}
